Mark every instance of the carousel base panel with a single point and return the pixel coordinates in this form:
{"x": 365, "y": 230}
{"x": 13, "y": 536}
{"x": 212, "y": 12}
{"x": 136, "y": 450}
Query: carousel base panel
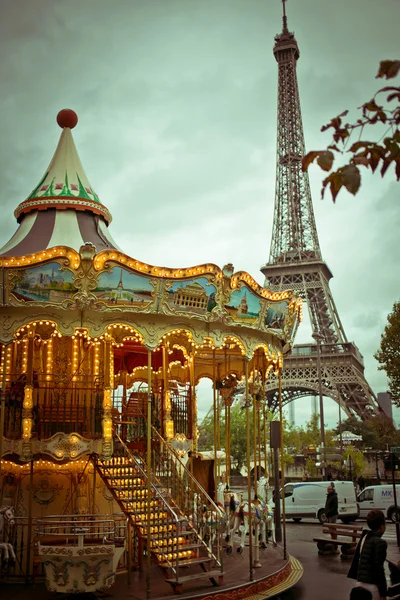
{"x": 275, "y": 576}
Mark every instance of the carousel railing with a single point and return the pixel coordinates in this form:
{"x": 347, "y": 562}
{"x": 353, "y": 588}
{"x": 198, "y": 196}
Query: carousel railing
{"x": 74, "y": 406}
{"x": 80, "y": 530}
{"x": 18, "y": 536}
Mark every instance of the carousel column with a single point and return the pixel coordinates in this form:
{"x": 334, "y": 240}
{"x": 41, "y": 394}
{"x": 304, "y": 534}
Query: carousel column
{"x": 148, "y": 464}
{"x": 246, "y": 374}
{"x": 257, "y": 527}
{"x": 227, "y": 395}
{"x": 3, "y": 399}
{"x": 124, "y": 427}
{"x": 107, "y": 401}
{"x": 27, "y": 407}
{"x": 194, "y": 404}
{"x": 30, "y": 522}
{"x": 168, "y": 422}
{"x": 216, "y": 478}
{"x": 266, "y": 462}
{"x": 282, "y": 459}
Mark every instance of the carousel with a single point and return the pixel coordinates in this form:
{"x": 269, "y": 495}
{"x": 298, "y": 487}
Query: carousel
{"x": 101, "y": 354}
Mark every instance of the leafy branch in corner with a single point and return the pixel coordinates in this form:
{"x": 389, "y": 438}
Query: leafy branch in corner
{"x": 372, "y": 155}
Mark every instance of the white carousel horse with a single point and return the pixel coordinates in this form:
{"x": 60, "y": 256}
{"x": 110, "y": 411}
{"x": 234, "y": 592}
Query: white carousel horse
{"x": 212, "y": 519}
{"x": 232, "y": 504}
{"x": 262, "y": 488}
{"x": 239, "y": 520}
{"x": 221, "y": 488}
{"x": 269, "y": 522}
{"x": 6, "y": 516}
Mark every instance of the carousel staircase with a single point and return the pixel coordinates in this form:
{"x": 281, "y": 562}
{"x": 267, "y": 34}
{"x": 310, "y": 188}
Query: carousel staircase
{"x": 175, "y": 543}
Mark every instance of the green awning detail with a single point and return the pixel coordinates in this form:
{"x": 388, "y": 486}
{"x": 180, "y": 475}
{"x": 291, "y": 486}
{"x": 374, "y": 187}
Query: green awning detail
{"x": 65, "y": 190}
{"x": 82, "y": 193}
{"x": 37, "y": 188}
{"x": 50, "y": 190}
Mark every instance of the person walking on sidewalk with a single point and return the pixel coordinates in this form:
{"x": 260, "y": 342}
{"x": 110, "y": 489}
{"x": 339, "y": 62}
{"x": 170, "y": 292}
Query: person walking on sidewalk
{"x": 368, "y": 565}
{"x": 331, "y": 506}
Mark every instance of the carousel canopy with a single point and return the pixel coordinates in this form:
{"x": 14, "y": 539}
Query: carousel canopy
{"x": 63, "y": 209}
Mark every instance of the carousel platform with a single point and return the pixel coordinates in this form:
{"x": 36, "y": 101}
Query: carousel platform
{"x": 275, "y": 576}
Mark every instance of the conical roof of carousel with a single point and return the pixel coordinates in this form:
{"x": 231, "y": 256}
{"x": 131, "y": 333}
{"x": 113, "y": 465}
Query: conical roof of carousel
{"x": 63, "y": 209}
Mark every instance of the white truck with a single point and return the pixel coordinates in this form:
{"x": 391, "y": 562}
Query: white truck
{"x": 307, "y": 499}
{"x": 380, "y": 497}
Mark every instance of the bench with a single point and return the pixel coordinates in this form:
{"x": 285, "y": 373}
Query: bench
{"x": 344, "y": 536}
{"x": 394, "y": 569}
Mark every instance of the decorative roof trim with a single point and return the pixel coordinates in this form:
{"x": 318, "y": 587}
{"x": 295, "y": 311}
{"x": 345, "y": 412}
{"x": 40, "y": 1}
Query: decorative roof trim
{"x": 67, "y": 202}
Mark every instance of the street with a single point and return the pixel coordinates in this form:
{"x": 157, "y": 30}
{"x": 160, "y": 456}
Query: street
{"x": 325, "y": 577}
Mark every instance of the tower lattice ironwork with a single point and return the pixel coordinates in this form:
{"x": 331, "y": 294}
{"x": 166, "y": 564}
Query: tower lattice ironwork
{"x": 295, "y": 262}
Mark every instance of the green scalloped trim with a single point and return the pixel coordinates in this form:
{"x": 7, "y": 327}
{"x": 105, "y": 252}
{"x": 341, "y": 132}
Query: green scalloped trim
{"x": 34, "y": 192}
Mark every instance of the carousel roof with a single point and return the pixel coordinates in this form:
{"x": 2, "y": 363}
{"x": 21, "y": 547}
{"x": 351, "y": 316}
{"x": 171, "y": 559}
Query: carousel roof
{"x": 63, "y": 209}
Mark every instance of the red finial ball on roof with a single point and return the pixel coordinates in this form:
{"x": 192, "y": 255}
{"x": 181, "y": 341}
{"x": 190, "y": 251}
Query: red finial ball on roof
{"x": 67, "y": 118}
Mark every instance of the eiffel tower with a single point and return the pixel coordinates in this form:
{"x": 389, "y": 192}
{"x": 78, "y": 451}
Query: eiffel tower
{"x": 296, "y": 263}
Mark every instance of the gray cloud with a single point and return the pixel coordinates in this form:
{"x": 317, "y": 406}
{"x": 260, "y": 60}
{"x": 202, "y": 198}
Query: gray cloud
{"x": 177, "y": 127}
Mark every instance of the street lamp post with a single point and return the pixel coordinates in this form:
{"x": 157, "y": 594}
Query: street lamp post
{"x": 318, "y": 337}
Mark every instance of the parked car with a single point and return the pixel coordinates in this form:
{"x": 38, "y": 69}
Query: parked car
{"x": 380, "y": 497}
{"x": 307, "y": 500}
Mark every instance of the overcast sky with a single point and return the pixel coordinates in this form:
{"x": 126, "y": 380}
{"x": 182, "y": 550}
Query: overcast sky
{"x": 177, "y": 131}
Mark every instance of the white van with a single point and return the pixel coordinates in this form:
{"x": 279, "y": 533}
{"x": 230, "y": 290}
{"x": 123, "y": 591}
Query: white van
{"x": 307, "y": 499}
{"x": 379, "y": 497}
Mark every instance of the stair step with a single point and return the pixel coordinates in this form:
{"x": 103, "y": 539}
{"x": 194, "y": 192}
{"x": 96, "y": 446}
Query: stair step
{"x": 216, "y": 575}
{"x": 187, "y": 562}
{"x": 181, "y": 548}
{"x": 170, "y": 540}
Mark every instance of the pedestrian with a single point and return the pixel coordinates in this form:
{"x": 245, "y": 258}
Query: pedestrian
{"x": 368, "y": 565}
{"x": 361, "y": 483}
{"x": 331, "y": 506}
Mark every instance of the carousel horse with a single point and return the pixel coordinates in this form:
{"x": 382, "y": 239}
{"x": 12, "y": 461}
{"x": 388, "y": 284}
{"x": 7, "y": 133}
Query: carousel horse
{"x": 232, "y": 504}
{"x": 239, "y": 520}
{"x": 212, "y": 519}
{"x": 268, "y": 519}
{"x": 221, "y": 488}
{"x": 6, "y": 517}
{"x": 262, "y": 489}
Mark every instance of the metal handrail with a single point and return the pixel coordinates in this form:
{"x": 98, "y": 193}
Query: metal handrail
{"x": 144, "y": 474}
{"x": 184, "y": 468}
{"x": 195, "y": 485}
{"x": 159, "y": 496}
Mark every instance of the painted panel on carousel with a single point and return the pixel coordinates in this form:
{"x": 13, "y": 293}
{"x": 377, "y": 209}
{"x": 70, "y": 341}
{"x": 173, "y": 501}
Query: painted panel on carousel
{"x": 46, "y": 283}
{"x": 120, "y": 287}
{"x": 276, "y": 315}
{"x": 244, "y": 306}
{"x": 195, "y": 295}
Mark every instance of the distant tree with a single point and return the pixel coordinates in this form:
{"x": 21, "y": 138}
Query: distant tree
{"x": 238, "y": 437}
{"x": 388, "y": 354}
{"x": 354, "y": 461}
{"x": 363, "y": 153}
{"x": 300, "y": 438}
{"x": 377, "y": 432}
{"x": 206, "y": 433}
